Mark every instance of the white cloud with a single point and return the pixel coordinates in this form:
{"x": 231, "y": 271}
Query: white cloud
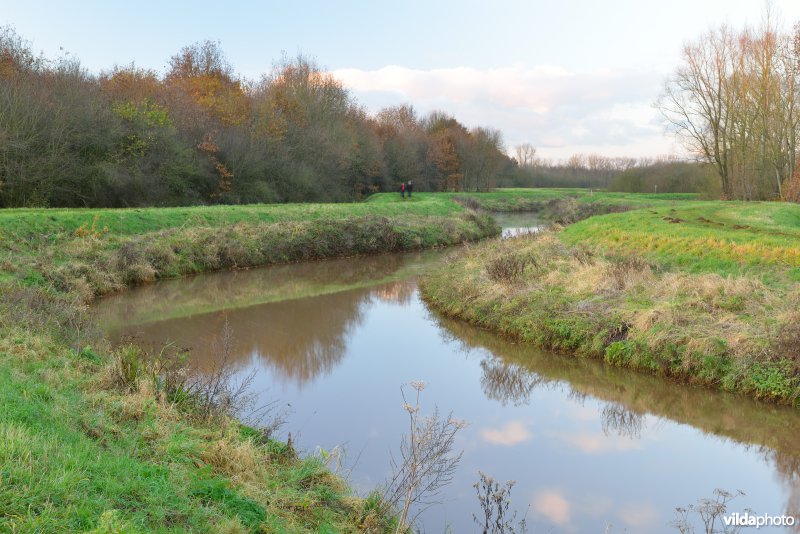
{"x": 591, "y": 443}
{"x": 552, "y": 505}
{"x": 511, "y": 434}
{"x": 559, "y": 111}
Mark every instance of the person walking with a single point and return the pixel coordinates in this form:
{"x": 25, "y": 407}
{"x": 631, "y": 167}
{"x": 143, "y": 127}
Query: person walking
{"x": 403, "y": 190}
{"x": 410, "y": 188}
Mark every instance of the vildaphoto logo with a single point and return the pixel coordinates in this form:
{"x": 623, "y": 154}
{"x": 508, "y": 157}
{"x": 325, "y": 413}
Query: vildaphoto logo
{"x": 764, "y": 520}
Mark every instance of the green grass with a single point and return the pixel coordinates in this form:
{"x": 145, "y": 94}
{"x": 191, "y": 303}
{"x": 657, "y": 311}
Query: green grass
{"x": 37, "y": 224}
{"x": 75, "y": 456}
{"x": 722, "y": 237}
{"x": 79, "y": 453}
{"x": 702, "y": 291}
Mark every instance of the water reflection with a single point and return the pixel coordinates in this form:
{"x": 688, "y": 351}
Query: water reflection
{"x": 732, "y": 416}
{"x": 508, "y": 382}
{"x": 586, "y": 443}
{"x": 190, "y": 297}
{"x": 620, "y": 420}
{"x": 517, "y": 223}
{"x": 630, "y": 399}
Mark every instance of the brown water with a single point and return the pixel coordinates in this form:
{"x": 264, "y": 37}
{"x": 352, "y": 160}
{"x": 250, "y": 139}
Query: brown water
{"x": 587, "y": 444}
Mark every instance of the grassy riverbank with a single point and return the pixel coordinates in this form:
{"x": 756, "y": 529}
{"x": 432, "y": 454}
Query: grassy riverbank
{"x": 98, "y": 438}
{"x": 703, "y": 292}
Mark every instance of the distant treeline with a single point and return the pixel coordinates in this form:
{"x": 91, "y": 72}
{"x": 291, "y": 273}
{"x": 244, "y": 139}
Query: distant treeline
{"x": 200, "y": 134}
{"x": 643, "y": 175}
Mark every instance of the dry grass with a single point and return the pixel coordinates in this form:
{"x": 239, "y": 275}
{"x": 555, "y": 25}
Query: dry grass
{"x": 701, "y": 327}
{"x": 238, "y": 459}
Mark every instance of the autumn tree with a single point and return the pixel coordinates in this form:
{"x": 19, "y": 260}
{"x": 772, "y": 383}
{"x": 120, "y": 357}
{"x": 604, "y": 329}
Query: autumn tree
{"x": 404, "y": 145}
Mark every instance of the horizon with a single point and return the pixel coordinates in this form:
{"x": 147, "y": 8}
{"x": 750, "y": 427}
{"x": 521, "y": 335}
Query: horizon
{"x": 542, "y": 87}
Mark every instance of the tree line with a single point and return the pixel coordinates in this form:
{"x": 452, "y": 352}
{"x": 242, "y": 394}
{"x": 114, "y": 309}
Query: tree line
{"x": 201, "y": 134}
{"x": 663, "y": 174}
{"x": 735, "y": 103}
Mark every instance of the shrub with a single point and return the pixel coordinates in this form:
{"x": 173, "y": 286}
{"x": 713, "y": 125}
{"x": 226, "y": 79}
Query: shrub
{"x": 624, "y": 270}
{"x": 509, "y": 268}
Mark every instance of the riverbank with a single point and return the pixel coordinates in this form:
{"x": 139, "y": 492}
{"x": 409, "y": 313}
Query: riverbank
{"x": 114, "y": 439}
{"x": 701, "y": 292}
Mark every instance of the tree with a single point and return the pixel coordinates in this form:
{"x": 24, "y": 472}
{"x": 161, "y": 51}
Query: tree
{"x": 733, "y": 102}
{"x": 525, "y": 155}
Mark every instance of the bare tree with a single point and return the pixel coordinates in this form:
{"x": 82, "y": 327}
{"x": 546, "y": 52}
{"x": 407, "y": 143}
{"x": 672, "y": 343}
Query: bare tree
{"x": 733, "y": 102}
{"x": 696, "y": 100}
{"x": 525, "y": 155}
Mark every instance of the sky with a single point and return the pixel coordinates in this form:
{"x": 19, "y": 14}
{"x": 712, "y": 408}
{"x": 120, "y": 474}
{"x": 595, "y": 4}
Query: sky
{"x": 567, "y": 76}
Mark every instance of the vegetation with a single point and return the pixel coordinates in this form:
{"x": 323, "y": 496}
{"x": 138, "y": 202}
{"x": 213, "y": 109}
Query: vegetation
{"x": 669, "y": 177}
{"x": 116, "y": 439}
{"x": 704, "y": 292}
{"x": 200, "y": 134}
{"x": 593, "y": 171}
{"x": 733, "y": 102}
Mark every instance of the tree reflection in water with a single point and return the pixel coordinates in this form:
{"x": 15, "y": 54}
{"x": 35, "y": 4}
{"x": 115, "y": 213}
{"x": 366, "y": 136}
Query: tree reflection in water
{"x": 513, "y": 372}
{"x": 618, "y": 419}
{"x": 508, "y": 382}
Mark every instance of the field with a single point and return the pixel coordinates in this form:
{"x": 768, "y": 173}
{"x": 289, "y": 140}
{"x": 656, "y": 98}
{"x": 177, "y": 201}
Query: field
{"x": 112, "y": 439}
{"x": 703, "y": 292}
{"x": 94, "y": 437}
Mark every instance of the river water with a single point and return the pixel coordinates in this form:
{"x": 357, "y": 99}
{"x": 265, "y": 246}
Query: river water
{"x": 588, "y": 445}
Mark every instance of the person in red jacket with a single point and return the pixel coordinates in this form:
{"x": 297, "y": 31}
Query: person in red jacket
{"x": 403, "y": 190}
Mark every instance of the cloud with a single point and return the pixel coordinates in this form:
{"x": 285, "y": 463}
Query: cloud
{"x": 641, "y": 516}
{"x": 509, "y": 435}
{"x": 559, "y": 111}
{"x": 591, "y": 443}
{"x": 552, "y": 505}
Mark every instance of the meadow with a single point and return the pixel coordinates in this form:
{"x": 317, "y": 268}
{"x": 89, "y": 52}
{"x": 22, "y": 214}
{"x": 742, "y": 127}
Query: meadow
{"x": 703, "y": 292}
{"x": 95, "y": 437}
{"x": 116, "y": 439}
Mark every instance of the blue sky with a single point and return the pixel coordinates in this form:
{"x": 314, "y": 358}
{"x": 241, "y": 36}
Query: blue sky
{"x": 568, "y": 76}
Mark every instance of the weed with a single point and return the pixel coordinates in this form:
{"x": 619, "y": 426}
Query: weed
{"x": 584, "y": 255}
{"x": 495, "y": 501}
{"x": 709, "y": 511}
{"x": 626, "y": 271}
{"x": 509, "y": 268}
{"x": 91, "y": 231}
{"x": 427, "y": 462}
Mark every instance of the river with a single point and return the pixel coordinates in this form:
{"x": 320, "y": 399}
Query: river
{"x": 331, "y": 342}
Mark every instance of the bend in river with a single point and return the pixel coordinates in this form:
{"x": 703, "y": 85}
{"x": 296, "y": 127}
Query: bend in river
{"x": 587, "y": 444}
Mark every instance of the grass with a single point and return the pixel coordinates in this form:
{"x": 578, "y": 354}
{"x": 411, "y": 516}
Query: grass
{"x": 80, "y": 453}
{"x": 709, "y": 299}
{"x": 36, "y": 224}
{"x": 728, "y": 238}
{"x": 703, "y": 292}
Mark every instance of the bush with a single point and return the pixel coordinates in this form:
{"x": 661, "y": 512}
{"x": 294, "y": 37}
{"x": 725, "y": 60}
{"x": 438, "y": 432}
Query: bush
{"x": 509, "y": 268}
{"x": 623, "y": 270}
